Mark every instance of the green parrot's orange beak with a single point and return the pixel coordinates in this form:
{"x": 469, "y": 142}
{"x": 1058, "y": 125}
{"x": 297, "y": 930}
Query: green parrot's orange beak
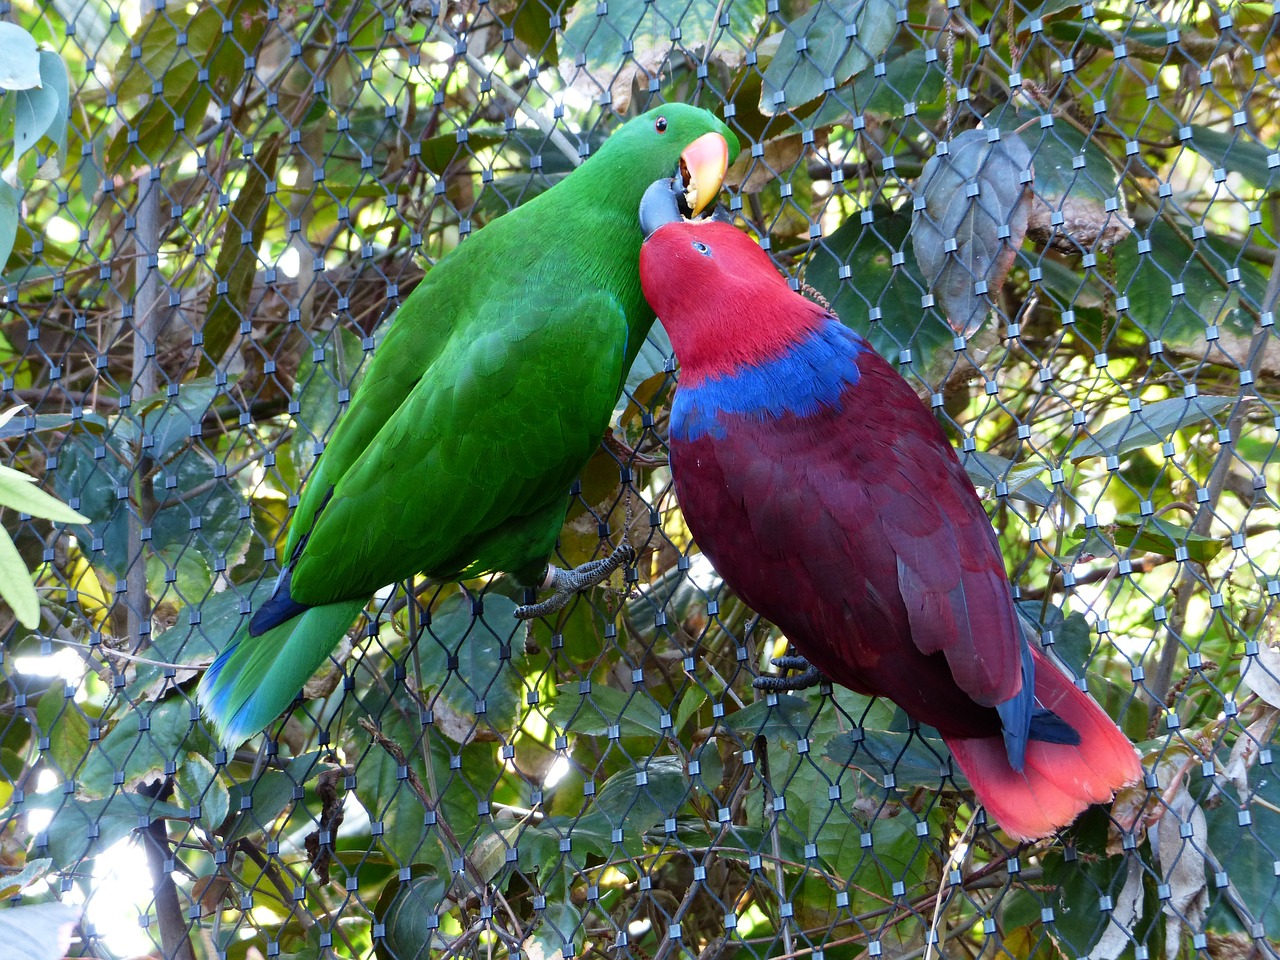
{"x": 702, "y": 168}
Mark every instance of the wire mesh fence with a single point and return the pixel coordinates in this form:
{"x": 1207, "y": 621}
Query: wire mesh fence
{"x": 1058, "y": 222}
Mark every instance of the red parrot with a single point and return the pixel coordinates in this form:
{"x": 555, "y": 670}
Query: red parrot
{"x": 828, "y": 497}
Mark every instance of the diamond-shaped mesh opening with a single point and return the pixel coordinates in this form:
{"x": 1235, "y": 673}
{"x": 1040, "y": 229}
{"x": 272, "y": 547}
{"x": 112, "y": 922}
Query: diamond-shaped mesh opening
{"x": 1057, "y": 222}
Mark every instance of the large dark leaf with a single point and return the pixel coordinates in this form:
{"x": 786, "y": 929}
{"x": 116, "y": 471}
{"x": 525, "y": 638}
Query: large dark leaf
{"x": 196, "y": 519}
{"x": 866, "y": 271}
{"x": 834, "y": 41}
{"x": 141, "y": 743}
{"x": 592, "y": 709}
{"x": 474, "y": 664}
{"x": 970, "y": 216}
{"x": 1239, "y": 153}
{"x": 1185, "y": 296}
{"x": 1244, "y": 835}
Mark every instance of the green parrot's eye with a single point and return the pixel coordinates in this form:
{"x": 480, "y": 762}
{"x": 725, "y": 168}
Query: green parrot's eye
{"x": 660, "y": 124}
{"x": 702, "y": 248}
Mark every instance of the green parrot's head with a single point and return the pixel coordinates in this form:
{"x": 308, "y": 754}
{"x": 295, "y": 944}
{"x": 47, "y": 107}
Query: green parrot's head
{"x": 674, "y": 139}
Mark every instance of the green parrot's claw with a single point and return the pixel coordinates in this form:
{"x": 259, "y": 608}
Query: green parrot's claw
{"x": 567, "y": 584}
{"x": 808, "y": 677}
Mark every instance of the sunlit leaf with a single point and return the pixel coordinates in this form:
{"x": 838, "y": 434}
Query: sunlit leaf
{"x": 38, "y": 931}
{"x": 1153, "y": 423}
{"x": 19, "y": 58}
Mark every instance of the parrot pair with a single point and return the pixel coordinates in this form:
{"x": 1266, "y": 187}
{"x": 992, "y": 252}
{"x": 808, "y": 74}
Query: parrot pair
{"x": 483, "y": 403}
{"x": 827, "y": 496}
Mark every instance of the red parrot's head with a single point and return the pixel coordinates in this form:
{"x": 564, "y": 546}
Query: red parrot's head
{"x": 719, "y": 296}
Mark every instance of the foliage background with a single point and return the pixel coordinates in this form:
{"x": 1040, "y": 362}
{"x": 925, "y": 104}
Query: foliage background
{"x": 213, "y": 207}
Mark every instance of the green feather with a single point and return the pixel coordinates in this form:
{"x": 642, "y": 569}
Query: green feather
{"x": 255, "y": 679}
{"x": 488, "y": 394}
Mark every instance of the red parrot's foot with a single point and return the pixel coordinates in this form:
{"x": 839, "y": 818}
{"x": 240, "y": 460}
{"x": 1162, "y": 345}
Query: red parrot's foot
{"x": 567, "y": 584}
{"x": 808, "y": 677}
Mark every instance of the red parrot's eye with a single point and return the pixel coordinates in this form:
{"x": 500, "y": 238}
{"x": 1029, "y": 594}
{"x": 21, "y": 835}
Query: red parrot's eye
{"x": 660, "y": 124}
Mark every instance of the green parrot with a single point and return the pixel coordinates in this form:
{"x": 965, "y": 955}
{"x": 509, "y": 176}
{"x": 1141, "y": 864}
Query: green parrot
{"x": 489, "y": 393}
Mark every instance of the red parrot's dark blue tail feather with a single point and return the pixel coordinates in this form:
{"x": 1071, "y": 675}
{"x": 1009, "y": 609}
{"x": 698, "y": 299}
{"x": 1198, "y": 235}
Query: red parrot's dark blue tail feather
{"x": 1058, "y": 780}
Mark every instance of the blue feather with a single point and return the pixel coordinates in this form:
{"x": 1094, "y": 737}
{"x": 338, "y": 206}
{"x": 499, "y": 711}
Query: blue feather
{"x": 812, "y": 374}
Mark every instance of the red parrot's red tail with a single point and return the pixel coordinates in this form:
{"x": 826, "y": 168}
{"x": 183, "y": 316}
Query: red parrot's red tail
{"x": 1057, "y": 781}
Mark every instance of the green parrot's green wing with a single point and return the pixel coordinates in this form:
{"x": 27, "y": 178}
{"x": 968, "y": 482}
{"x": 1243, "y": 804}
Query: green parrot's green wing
{"x": 407, "y": 349}
{"x": 471, "y": 471}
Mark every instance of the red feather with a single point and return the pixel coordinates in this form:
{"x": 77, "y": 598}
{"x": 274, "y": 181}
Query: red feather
{"x": 828, "y": 497}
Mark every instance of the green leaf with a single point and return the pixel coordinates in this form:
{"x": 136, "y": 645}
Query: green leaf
{"x": 15, "y": 584}
{"x": 81, "y": 829}
{"x": 61, "y": 722}
{"x": 626, "y": 40}
{"x": 644, "y": 795}
{"x": 142, "y": 741}
{"x": 1244, "y": 835}
{"x": 460, "y": 777}
{"x": 1153, "y": 423}
{"x": 34, "y": 112}
{"x": 990, "y": 470}
{"x": 1155, "y": 535}
{"x": 259, "y": 802}
{"x": 194, "y": 514}
{"x": 53, "y": 76}
{"x": 879, "y": 298}
{"x": 237, "y": 264}
{"x": 1240, "y": 153}
{"x": 412, "y": 920}
{"x": 1069, "y": 637}
{"x": 38, "y": 931}
{"x": 1081, "y": 873}
{"x": 19, "y": 58}
{"x": 594, "y": 710}
{"x": 819, "y": 48}
{"x": 532, "y": 26}
{"x": 19, "y": 492}
{"x": 197, "y": 636}
{"x": 783, "y": 716}
{"x": 202, "y": 793}
{"x": 908, "y": 78}
{"x": 13, "y": 883}
{"x": 11, "y": 428}
{"x": 559, "y": 933}
{"x": 8, "y": 218}
{"x": 1174, "y": 297}
{"x": 442, "y": 152}
{"x": 485, "y": 689}
{"x": 912, "y": 758}
{"x": 1069, "y": 164}
{"x": 170, "y": 418}
{"x": 317, "y": 393}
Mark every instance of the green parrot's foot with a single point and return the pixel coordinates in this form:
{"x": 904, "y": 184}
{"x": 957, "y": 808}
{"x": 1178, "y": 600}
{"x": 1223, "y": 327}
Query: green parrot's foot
{"x": 808, "y": 677}
{"x": 567, "y": 584}
{"x": 628, "y": 454}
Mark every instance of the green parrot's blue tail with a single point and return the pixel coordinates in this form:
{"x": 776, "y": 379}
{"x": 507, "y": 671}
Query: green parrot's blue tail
{"x": 255, "y": 679}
